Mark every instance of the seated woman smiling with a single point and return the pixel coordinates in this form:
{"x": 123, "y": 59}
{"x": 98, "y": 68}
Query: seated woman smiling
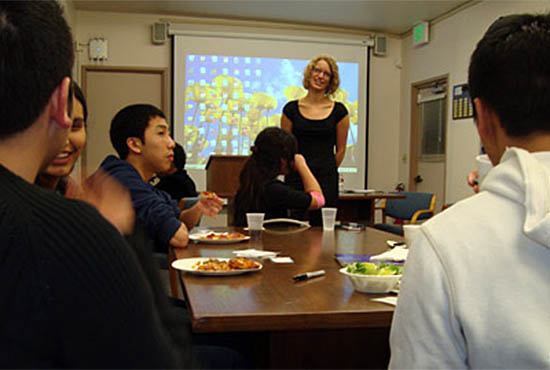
{"x": 274, "y": 154}
{"x": 104, "y": 193}
{"x": 56, "y": 175}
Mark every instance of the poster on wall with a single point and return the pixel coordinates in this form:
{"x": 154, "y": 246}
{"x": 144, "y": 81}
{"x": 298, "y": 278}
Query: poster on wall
{"x": 462, "y": 104}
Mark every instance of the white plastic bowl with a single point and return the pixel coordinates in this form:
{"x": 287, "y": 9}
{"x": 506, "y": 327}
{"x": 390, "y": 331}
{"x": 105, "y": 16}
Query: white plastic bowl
{"x": 372, "y": 283}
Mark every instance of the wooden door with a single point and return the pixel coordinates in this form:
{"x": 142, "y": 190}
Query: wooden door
{"x": 428, "y": 142}
{"x": 109, "y": 89}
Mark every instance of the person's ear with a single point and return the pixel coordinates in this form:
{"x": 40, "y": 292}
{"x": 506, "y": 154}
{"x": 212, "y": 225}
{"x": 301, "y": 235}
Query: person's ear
{"x": 59, "y": 104}
{"x": 134, "y": 144}
{"x": 486, "y": 120}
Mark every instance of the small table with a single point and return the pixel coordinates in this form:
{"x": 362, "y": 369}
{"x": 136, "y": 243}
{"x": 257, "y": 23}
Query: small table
{"x": 360, "y": 207}
{"x": 318, "y": 323}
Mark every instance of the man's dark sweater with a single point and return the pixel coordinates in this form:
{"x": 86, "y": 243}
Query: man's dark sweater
{"x": 73, "y": 294}
{"x": 156, "y": 211}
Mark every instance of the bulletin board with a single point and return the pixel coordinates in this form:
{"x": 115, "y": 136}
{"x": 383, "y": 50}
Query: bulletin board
{"x": 462, "y": 104}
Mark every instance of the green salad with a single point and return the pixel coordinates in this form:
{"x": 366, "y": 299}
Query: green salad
{"x": 368, "y": 268}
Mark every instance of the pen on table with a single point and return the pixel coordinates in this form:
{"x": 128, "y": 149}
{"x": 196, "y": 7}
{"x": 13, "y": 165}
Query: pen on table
{"x": 397, "y": 244}
{"x": 308, "y": 275}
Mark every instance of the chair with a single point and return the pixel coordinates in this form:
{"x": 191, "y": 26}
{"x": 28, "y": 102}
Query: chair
{"x": 414, "y": 207}
{"x": 164, "y": 262}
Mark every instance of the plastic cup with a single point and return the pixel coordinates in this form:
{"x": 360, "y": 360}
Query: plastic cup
{"x": 484, "y": 165}
{"x": 255, "y": 222}
{"x": 329, "y": 218}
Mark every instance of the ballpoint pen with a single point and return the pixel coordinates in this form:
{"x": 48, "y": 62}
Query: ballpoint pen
{"x": 308, "y": 275}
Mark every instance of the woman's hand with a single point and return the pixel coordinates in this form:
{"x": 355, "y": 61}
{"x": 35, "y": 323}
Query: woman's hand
{"x": 109, "y": 197}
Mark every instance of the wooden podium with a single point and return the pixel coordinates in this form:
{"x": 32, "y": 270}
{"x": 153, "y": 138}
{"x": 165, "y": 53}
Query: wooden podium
{"x": 222, "y": 174}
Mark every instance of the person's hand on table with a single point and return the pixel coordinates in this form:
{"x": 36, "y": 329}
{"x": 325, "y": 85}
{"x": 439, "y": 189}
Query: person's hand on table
{"x": 472, "y": 180}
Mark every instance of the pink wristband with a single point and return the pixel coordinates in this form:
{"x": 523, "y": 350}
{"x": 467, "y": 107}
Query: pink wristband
{"x": 319, "y": 198}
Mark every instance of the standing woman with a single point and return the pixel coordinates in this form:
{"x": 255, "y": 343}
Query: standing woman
{"x": 321, "y": 127}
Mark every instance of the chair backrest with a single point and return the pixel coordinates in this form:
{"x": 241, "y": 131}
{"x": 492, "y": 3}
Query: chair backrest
{"x": 406, "y": 207}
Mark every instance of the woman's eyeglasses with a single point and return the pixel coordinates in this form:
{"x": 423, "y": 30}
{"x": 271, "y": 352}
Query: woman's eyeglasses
{"x": 319, "y": 71}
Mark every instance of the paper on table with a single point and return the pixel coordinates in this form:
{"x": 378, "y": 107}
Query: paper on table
{"x": 392, "y": 301}
{"x": 396, "y": 254}
{"x": 200, "y": 232}
{"x": 282, "y": 260}
{"x": 254, "y": 253}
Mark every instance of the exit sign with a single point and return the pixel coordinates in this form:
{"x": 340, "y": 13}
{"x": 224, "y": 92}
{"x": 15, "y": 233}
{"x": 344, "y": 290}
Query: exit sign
{"x": 421, "y": 33}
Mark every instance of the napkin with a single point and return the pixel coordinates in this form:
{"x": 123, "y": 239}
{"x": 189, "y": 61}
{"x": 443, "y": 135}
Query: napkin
{"x": 392, "y": 301}
{"x": 397, "y": 254}
{"x": 282, "y": 260}
{"x": 254, "y": 253}
{"x": 200, "y": 232}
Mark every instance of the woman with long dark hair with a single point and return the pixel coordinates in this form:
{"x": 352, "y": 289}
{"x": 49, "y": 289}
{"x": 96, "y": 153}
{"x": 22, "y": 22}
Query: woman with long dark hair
{"x": 274, "y": 154}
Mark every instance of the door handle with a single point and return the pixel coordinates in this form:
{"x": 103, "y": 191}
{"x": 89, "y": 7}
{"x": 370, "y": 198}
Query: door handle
{"x": 418, "y": 179}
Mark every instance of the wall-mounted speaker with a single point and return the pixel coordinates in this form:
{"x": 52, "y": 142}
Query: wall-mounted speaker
{"x": 380, "y": 45}
{"x": 159, "y": 32}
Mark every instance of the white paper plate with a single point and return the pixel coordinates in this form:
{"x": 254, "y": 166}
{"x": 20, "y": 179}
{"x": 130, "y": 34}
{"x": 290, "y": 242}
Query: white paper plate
{"x": 201, "y": 239}
{"x": 188, "y": 265}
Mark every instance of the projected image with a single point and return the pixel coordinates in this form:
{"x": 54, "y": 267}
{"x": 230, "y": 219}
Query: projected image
{"x": 230, "y": 99}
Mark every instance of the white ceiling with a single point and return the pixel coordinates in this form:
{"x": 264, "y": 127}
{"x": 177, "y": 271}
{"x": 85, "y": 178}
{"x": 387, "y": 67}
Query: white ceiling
{"x": 387, "y": 16}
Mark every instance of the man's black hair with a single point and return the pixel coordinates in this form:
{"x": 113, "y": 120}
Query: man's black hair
{"x": 36, "y": 53}
{"x": 131, "y": 121}
{"x": 510, "y": 71}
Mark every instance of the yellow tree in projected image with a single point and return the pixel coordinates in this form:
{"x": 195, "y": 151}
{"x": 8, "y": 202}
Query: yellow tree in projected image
{"x": 206, "y": 101}
{"x": 224, "y": 103}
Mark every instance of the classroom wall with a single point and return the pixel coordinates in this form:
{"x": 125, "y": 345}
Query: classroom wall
{"x": 129, "y": 38}
{"x": 451, "y": 43}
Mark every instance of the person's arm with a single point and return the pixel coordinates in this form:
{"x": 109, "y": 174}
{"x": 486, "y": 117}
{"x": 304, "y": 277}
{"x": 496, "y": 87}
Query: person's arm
{"x": 341, "y": 139}
{"x": 101, "y": 286}
{"x": 180, "y": 239}
{"x": 286, "y": 123}
{"x": 425, "y": 334}
{"x": 308, "y": 179}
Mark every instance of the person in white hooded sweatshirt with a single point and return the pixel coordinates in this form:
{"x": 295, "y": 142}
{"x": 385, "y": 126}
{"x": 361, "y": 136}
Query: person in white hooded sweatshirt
{"x": 476, "y": 285}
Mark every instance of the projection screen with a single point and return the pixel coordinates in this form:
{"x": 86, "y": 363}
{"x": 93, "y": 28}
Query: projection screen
{"x": 228, "y": 87}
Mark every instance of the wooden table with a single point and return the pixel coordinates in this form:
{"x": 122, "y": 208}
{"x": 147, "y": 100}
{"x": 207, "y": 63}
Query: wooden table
{"x": 318, "y": 323}
{"x": 360, "y": 207}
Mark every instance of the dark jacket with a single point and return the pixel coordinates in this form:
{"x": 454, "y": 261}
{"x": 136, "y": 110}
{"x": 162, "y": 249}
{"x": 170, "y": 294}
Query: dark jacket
{"x": 155, "y": 210}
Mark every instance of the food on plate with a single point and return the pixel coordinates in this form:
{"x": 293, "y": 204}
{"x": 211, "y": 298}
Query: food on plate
{"x": 369, "y": 268}
{"x": 234, "y": 235}
{"x": 208, "y": 194}
{"x": 237, "y": 263}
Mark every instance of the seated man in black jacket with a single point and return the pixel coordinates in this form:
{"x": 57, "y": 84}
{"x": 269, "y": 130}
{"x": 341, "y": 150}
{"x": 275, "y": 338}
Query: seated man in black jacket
{"x": 72, "y": 293}
{"x": 176, "y": 181}
{"x": 141, "y": 136}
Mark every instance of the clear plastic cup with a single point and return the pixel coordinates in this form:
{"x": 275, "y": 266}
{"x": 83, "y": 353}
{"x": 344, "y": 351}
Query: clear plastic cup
{"x": 329, "y": 218}
{"x": 255, "y": 222}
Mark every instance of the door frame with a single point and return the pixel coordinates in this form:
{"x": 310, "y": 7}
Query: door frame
{"x": 414, "y": 129}
{"x": 163, "y": 72}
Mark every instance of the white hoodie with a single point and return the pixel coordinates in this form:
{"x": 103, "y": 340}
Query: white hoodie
{"x": 476, "y": 286}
